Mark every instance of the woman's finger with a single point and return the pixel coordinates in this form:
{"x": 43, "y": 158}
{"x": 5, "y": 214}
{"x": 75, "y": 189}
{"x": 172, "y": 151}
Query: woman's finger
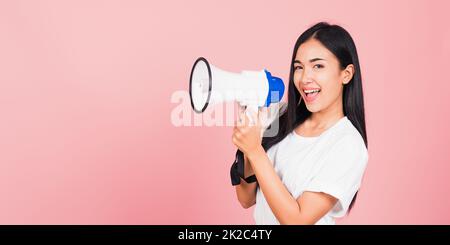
{"x": 235, "y": 141}
{"x": 235, "y": 129}
{"x": 253, "y": 117}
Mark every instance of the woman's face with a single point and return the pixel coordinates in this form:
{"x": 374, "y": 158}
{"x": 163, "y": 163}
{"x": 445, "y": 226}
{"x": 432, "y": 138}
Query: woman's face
{"x": 318, "y": 76}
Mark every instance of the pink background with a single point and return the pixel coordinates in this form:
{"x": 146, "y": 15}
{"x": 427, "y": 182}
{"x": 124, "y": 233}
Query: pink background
{"x": 85, "y": 89}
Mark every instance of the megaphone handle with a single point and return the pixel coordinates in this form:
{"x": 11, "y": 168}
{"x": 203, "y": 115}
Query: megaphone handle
{"x": 249, "y": 109}
{"x": 252, "y": 108}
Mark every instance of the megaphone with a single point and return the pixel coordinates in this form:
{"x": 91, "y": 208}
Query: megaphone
{"x": 209, "y": 85}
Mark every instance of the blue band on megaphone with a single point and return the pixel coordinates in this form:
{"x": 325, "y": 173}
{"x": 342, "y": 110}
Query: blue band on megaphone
{"x": 275, "y": 85}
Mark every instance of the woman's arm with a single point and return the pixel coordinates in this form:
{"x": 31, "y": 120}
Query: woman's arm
{"x": 307, "y": 209}
{"x": 246, "y": 192}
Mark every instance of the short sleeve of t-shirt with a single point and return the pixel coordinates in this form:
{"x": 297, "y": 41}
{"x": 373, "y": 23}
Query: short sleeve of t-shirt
{"x": 341, "y": 172}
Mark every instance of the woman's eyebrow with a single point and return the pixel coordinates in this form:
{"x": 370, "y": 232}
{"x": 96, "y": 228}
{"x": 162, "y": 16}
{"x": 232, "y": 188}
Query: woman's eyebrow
{"x": 310, "y": 61}
{"x": 315, "y": 59}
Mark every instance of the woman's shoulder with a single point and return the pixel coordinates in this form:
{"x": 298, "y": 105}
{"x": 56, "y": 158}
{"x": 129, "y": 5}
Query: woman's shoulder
{"x": 348, "y": 136}
{"x": 345, "y": 148}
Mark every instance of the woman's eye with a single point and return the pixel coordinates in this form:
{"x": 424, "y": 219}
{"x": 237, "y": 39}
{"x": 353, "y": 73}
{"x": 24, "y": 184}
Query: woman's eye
{"x": 318, "y": 66}
{"x": 297, "y": 68}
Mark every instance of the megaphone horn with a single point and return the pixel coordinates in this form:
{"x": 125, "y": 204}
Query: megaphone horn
{"x": 253, "y": 89}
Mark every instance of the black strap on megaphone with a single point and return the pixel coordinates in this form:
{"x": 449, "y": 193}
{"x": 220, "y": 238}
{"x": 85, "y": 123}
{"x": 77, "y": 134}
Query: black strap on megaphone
{"x": 237, "y": 170}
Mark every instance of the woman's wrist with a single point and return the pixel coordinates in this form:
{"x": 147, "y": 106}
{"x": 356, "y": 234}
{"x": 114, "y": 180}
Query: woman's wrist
{"x": 252, "y": 155}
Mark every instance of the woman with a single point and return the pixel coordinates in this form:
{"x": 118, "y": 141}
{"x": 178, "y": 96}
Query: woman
{"x": 310, "y": 172}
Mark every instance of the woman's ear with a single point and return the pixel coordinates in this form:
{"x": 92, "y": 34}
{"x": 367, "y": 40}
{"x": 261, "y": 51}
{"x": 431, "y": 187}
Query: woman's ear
{"x": 347, "y": 73}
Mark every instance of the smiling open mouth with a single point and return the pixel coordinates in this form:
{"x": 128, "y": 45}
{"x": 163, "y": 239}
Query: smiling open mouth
{"x": 311, "y": 94}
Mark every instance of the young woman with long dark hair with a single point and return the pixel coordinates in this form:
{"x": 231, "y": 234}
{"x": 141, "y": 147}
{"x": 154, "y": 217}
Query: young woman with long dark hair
{"x": 311, "y": 171}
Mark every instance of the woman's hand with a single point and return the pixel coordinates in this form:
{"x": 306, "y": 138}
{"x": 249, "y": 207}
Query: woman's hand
{"x": 247, "y": 133}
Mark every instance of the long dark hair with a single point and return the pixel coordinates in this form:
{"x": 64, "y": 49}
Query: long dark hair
{"x": 339, "y": 42}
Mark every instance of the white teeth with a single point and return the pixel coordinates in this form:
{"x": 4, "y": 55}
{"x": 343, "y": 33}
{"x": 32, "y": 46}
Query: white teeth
{"x": 311, "y": 91}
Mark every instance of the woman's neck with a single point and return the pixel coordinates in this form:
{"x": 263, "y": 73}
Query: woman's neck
{"x": 326, "y": 118}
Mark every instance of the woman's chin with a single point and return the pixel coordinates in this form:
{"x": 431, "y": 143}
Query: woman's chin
{"x": 313, "y": 108}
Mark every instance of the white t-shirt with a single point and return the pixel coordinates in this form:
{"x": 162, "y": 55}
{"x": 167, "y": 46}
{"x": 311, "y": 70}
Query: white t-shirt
{"x": 333, "y": 163}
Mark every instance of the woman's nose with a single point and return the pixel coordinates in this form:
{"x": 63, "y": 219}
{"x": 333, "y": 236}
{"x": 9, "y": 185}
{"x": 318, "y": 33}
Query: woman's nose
{"x": 306, "y": 77}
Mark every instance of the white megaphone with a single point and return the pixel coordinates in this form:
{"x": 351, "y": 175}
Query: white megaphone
{"x": 209, "y": 85}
